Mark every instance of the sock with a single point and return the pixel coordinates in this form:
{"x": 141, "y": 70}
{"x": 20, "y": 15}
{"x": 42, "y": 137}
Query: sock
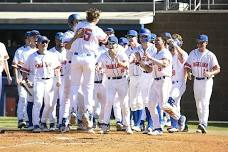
{"x": 29, "y": 112}
{"x": 148, "y": 118}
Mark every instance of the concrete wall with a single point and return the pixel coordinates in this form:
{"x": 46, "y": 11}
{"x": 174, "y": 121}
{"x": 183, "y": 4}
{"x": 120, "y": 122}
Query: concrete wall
{"x": 189, "y": 25}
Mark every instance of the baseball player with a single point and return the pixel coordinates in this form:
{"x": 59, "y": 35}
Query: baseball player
{"x": 60, "y": 53}
{"x": 160, "y": 89}
{"x": 109, "y": 31}
{"x": 178, "y": 79}
{"x": 70, "y": 105}
{"x": 204, "y": 66}
{"x": 83, "y": 60}
{"x": 153, "y": 37}
{"x": 124, "y": 42}
{"x": 115, "y": 65}
{"x": 22, "y": 102}
{"x": 32, "y": 38}
{"x": 146, "y": 79}
{"x": 4, "y": 65}
{"x": 42, "y": 65}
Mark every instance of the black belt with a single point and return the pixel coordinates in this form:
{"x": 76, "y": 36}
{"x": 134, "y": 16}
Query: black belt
{"x": 119, "y": 77}
{"x": 145, "y": 72}
{"x": 61, "y": 75}
{"x": 201, "y": 78}
{"x": 98, "y": 81}
{"x": 45, "y": 78}
{"x": 76, "y": 53}
{"x": 173, "y": 82}
{"x": 159, "y": 78}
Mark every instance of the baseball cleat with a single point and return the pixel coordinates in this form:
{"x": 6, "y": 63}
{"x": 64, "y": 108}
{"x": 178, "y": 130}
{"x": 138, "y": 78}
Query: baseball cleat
{"x": 156, "y": 132}
{"x": 137, "y": 129}
{"x": 43, "y": 127}
{"x": 202, "y": 128}
{"x": 87, "y": 120}
{"x": 36, "y": 129}
{"x": 52, "y": 127}
{"x": 172, "y": 130}
{"x": 128, "y": 130}
{"x": 21, "y": 124}
{"x": 104, "y": 129}
{"x": 181, "y": 123}
{"x": 91, "y": 131}
{"x": 119, "y": 126}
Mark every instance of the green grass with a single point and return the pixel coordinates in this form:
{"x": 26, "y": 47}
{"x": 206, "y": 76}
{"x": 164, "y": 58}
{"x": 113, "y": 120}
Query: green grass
{"x": 11, "y": 123}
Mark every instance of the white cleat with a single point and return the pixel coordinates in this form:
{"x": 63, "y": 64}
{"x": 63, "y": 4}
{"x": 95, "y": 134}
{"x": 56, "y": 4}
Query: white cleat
{"x": 137, "y": 129}
{"x": 155, "y": 132}
{"x": 104, "y": 129}
{"x": 129, "y": 131}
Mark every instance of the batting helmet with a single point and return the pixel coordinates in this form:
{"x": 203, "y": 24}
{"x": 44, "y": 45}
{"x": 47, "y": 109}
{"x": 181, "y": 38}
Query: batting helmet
{"x": 72, "y": 18}
{"x": 153, "y": 36}
{"x": 145, "y": 35}
{"x": 132, "y": 33}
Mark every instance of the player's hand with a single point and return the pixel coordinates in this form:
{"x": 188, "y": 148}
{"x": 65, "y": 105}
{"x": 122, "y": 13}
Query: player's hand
{"x": 9, "y": 79}
{"x": 207, "y": 74}
{"x": 58, "y": 84}
{"x": 18, "y": 81}
{"x": 79, "y": 33}
{"x": 137, "y": 57}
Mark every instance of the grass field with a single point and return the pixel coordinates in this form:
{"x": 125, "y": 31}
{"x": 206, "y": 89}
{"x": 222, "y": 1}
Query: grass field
{"x": 14, "y": 140}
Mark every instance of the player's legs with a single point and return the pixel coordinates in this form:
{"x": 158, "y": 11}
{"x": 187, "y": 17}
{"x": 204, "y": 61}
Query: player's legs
{"x": 202, "y": 93}
{"x": 21, "y": 107}
{"x": 48, "y": 100}
{"x": 39, "y": 86}
{"x": 122, "y": 90}
{"x": 117, "y": 109}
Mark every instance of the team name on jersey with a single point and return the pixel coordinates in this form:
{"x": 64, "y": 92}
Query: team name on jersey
{"x": 200, "y": 64}
{"x": 41, "y": 65}
{"x": 113, "y": 66}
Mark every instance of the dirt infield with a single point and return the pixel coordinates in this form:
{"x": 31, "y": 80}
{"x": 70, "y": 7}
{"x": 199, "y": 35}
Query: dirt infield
{"x": 19, "y": 141}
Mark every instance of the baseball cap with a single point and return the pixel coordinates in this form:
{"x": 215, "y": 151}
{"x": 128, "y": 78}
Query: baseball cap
{"x": 168, "y": 35}
{"x": 123, "y": 41}
{"x": 27, "y": 33}
{"x": 132, "y": 33}
{"x": 109, "y": 29}
{"x": 113, "y": 40}
{"x": 202, "y": 38}
{"x": 153, "y": 36}
{"x": 42, "y": 39}
{"x": 59, "y": 36}
{"x": 34, "y": 33}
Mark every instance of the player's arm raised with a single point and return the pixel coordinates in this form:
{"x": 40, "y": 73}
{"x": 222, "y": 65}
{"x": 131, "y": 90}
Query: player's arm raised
{"x": 78, "y": 34}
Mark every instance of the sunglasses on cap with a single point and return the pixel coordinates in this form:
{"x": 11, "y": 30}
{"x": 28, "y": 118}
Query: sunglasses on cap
{"x": 200, "y": 42}
{"x": 44, "y": 42}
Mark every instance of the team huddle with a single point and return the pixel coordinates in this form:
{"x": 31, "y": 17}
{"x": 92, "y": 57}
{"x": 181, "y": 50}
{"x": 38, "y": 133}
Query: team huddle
{"x": 89, "y": 72}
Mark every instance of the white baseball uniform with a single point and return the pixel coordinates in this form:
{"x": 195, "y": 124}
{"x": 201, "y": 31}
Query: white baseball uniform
{"x": 22, "y": 102}
{"x": 146, "y": 80}
{"x": 116, "y": 83}
{"x": 99, "y": 91}
{"x": 58, "y": 91}
{"x": 3, "y": 56}
{"x": 135, "y": 73}
{"x": 160, "y": 89}
{"x": 41, "y": 67}
{"x": 178, "y": 79}
{"x": 83, "y": 61}
{"x": 199, "y": 62}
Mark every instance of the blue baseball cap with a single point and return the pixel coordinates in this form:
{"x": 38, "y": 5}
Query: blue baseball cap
{"x": 41, "y": 39}
{"x": 123, "y": 41}
{"x": 109, "y": 29}
{"x": 113, "y": 39}
{"x": 132, "y": 33}
{"x": 202, "y": 38}
{"x": 168, "y": 35}
{"x": 34, "y": 33}
{"x": 153, "y": 36}
{"x": 59, "y": 36}
{"x": 27, "y": 33}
